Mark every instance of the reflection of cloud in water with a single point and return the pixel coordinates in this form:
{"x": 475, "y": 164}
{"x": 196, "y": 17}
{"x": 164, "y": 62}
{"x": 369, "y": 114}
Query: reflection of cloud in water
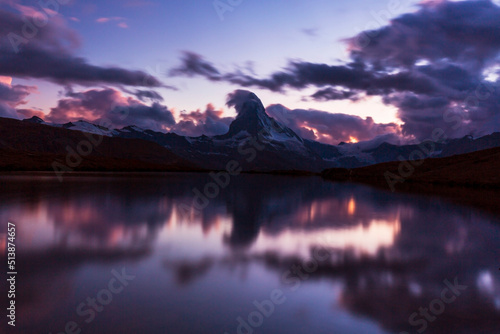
{"x": 391, "y": 252}
{"x": 49, "y": 226}
{"x": 361, "y": 239}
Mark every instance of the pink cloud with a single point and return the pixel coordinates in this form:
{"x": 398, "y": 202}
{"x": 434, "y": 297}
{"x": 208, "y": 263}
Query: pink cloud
{"x": 51, "y": 54}
{"x": 331, "y": 128}
{"x": 12, "y": 96}
{"x": 6, "y": 80}
{"x": 111, "y": 105}
{"x": 28, "y": 113}
{"x": 208, "y": 122}
{"x": 120, "y": 21}
{"x": 109, "y": 19}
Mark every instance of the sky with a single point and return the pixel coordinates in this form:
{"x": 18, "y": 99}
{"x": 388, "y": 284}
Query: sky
{"x": 331, "y": 70}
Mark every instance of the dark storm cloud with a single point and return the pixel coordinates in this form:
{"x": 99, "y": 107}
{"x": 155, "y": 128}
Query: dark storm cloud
{"x": 452, "y": 44}
{"x": 466, "y": 32}
{"x": 31, "y": 47}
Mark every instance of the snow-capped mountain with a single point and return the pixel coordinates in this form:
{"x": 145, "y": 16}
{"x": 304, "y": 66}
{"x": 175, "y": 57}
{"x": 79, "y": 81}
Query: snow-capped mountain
{"x": 253, "y": 122}
{"x": 81, "y": 125}
{"x": 260, "y": 143}
{"x": 252, "y": 119}
{"x": 255, "y": 140}
{"x": 90, "y": 128}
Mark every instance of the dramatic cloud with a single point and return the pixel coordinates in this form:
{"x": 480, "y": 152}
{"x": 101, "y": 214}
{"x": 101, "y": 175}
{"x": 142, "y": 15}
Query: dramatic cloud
{"x": 330, "y": 128}
{"x": 453, "y": 44}
{"x": 197, "y": 123}
{"x": 432, "y": 64}
{"x": 355, "y": 77}
{"x": 466, "y": 32}
{"x": 110, "y": 106}
{"x": 12, "y": 96}
{"x": 39, "y": 44}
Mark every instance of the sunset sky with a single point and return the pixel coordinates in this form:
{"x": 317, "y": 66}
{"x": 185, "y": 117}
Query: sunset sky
{"x": 330, "y": 64}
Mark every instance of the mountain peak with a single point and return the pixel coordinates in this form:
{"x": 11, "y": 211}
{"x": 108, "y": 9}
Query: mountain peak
{"x": 253, "y": 120}
{"x": 34, "y": 119}
{"x": 251, "y": 114}
{"x": 252, "y": 110}
{"x": 245, "y": 101}
{"x": 252, "y": 105}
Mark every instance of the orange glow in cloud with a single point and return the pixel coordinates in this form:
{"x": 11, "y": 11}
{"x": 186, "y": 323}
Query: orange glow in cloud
{"x": 353, "y": 140}
{"x": 6, "y": 80}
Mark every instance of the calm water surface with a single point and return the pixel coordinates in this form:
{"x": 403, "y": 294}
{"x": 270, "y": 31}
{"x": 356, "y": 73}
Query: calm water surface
{"x": 268, "y": 254}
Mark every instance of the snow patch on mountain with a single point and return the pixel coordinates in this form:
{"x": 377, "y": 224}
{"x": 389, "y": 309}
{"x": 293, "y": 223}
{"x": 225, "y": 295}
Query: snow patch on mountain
{"x": 87, "y": 127}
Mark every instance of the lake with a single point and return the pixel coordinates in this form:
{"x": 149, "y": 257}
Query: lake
{"x": 177, "y": 253}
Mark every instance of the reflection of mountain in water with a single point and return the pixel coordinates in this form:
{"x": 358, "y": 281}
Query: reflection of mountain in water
{"x": 392, "y": 251}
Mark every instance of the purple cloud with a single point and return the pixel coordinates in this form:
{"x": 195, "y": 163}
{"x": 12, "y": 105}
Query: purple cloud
{"x": 330, "y": 128}
{"x": 46, "y": 51}
{"x": 111, "y": 107}
{"x": 430, "y": 64}
{"x": 12, "y": 96}
{"x": 210, "y": 122}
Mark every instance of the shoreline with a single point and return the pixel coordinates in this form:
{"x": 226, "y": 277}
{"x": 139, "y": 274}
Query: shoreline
{"x": 482, "y": 198}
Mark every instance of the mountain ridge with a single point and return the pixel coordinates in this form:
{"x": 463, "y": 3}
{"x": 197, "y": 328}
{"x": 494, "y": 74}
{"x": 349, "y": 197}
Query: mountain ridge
{"x": 260, "y": 143}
